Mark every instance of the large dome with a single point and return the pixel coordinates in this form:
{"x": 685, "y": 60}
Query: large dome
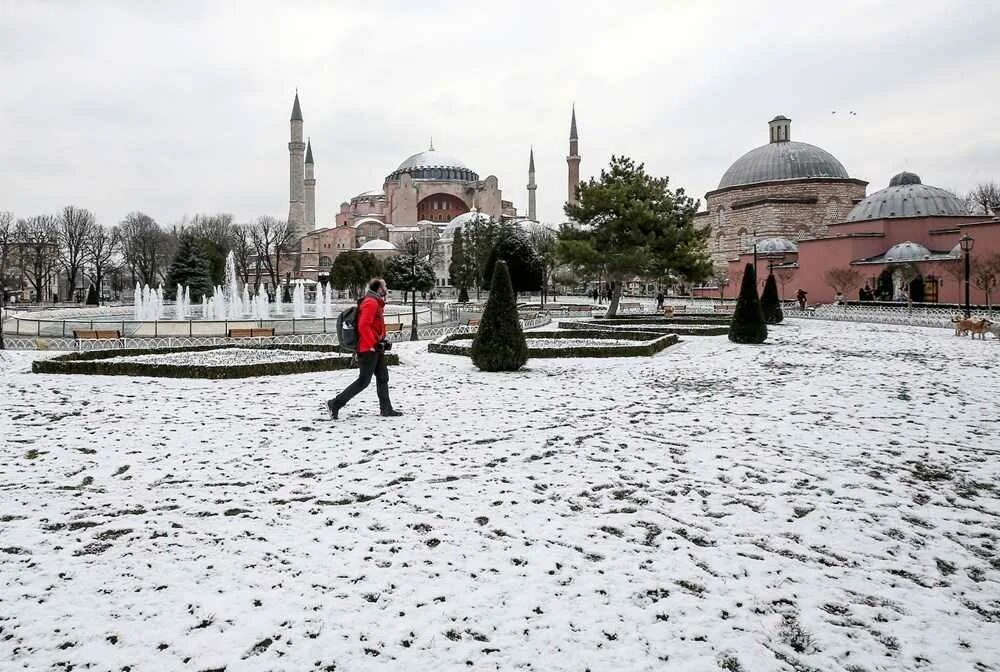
{"x": 782, "y": 161}
{"x": 906, "y": 196}
{"x": 434, "y": 165}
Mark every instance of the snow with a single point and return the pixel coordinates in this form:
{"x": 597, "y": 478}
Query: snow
{"x": 823, "y": 501}
{"x": 560, "y": 342}
{"x": 227, "y": 357}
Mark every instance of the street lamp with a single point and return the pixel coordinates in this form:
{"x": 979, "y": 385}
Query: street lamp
{"x": 413, "y": 248}
{"x": 966, "y": 244}
{"x": 755, "y": 251}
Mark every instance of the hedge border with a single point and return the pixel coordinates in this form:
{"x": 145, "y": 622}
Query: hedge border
{"x": 692, "y": 318}
{"x": 682, "y": 329}
{"x": 91, "y": 363}
{"x": 645, "y": 347}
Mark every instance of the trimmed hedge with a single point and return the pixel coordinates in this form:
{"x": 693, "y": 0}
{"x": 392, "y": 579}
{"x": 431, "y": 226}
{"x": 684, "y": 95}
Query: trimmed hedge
{"x": 646, "y": 344}
{"x": 93, "y": 363}
{"x": 666, "y": 328}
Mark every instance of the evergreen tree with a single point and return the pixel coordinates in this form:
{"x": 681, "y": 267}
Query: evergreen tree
{"x": 91, "y": 295}
{"x": 632, "y": 224}
{"x": 399, "y": 274}
{"x": 748, "y": 324}
{"x": 460, "y": 270}
{"x": 499, "y": 345}
{"x": 770, "y": 305}
{"x": 523, "y": 263}
{"x": 352, "y": 269}
{"x": 189, "y": 268}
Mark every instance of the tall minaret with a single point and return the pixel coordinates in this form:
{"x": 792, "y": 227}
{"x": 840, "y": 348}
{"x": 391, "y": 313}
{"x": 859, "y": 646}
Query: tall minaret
{"x": 531, "y": 185}
{"x": 310, "y": 183}
{"x": 573, "y": 160}
{"x": 296, "y": 181}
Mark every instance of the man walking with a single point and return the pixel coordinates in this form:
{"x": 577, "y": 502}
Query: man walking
{"x": 372, "y": 345}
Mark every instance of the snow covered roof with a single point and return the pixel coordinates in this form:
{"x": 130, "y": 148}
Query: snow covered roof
{"x": 378, "y": 244}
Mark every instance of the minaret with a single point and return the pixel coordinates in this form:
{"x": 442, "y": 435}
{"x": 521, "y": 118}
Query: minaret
{"x": 573, "y": 160}
{"x": 531, "y": 185}
{"x": 296, "y": 181}
{"x": 310, "y": 183}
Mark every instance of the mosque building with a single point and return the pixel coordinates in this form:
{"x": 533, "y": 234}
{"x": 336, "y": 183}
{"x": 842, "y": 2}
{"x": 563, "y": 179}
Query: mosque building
{"x": 429, "y": 196}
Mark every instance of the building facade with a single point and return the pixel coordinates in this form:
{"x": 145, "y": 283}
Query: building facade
{"x": 783, "y": 189}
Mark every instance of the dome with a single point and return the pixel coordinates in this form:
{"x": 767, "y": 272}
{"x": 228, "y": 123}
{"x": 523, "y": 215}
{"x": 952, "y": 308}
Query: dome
{"x": 906, "y": 196}
{"x": 904, "y": 252}
{"x": 434, "y": 165}
{"x": 782, "y": 161}
{"x": 956, "y": 251}
{"x": 776, "y": 245}
{"x": 378, "y": 244}
{"x": 461, "y": 221}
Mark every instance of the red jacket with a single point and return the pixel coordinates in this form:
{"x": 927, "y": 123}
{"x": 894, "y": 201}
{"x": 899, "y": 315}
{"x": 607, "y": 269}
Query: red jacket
{"x": 371, "y": 323}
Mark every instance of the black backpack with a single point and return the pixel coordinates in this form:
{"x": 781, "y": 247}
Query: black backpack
{"x": 347, "y": 328}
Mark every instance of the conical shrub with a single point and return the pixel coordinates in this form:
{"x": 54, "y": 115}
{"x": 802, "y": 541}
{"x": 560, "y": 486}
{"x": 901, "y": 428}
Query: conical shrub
{"x": 770, "y": 305}
{"x": 748, "y": 324}
{"x": 499, "y": 345}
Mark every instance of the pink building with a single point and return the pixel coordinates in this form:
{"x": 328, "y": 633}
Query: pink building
{"x": 903, "y": 241}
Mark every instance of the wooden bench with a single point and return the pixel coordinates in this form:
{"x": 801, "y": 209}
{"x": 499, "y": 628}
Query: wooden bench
{"x": 97, "y": 335}
{"x": 396, "y": 326}
{"x": 472, "y": 323}
{"x": 255, "y": 332}
{"x": 723, "y": 309}
{"x": 630, "y": 306}
{"x": 670, "y": 311}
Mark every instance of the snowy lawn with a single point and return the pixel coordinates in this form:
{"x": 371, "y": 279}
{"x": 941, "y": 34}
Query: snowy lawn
{"x": 227, "y": 357}
{"x": 827, "y": 501}
{"x": 559, "y": 342}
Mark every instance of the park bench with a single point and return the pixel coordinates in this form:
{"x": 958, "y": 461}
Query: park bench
{"x": 255, "y": 332}
{"x": 722, "y": 308}
{"x": 472, "y": 323}
{"x": 631, "y": 306}
{"x": 395, "y": 326}
{"x": 670, "y": 311}
{"x": 97, "y": 335}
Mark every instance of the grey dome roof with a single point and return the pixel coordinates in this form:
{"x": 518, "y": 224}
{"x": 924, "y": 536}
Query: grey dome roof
{"x": 782, "y": 161}
{"x": 906, "y": 251}
{"x": 460, "y": 221}
{"x": 434, "y": 165}
{"x": 907, "y": 197}
{"x": 776, "y": 245}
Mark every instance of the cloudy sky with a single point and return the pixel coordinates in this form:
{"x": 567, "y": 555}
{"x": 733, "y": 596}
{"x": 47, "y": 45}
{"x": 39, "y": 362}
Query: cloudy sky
{"x": 179, "y": 108}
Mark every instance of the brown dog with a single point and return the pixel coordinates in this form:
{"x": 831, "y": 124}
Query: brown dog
{"x": 962, "y": 325}
{"x": 980, "y": 327}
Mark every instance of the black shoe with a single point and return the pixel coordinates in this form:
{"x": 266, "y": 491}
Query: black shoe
{"x": 391, "y": 413}
{"x": 334, "y": 409}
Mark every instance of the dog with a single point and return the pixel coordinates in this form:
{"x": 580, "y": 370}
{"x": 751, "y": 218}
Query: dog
{"x": 980, "y": 327}
{"x": 962, "y": 325}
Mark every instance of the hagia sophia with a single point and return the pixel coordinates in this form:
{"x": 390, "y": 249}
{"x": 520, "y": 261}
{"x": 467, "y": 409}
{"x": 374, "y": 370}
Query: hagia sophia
{"x": 795, "y": 203}
{"x": 427, "y": 197}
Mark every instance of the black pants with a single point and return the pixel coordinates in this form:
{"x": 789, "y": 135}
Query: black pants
{"x": 369, "y": 363}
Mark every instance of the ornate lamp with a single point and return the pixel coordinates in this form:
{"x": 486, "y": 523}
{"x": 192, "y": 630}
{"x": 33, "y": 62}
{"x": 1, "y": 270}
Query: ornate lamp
{"x": 966, "y": 244}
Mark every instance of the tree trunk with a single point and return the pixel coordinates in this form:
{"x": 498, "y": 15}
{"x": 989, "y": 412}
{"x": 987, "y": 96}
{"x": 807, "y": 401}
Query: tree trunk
{"x": 616, "y": 295}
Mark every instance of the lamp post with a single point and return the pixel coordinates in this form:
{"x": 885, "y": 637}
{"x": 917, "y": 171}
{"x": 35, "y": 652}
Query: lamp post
{"x": 966, "y": 244}
{"x": 755, "y": 251}
{"x": 413, "y": 248}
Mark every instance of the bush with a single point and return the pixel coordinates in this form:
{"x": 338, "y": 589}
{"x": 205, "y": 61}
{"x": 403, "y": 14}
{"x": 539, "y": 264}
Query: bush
{"x": 748, "y": 324}
{"x": 499, "y": 345}
{"x": 770, "y": 305}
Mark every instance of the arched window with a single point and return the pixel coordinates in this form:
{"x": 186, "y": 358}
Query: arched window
{"x": 742, "y": 240}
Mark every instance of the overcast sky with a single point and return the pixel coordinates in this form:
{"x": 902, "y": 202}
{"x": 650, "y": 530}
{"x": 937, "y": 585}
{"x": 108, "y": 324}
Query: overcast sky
{"x": 181, "y": 108}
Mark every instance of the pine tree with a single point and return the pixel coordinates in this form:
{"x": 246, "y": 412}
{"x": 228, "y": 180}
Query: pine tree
{"x": 190, "y": 268}
{"x": 91, "y": 295}
{"x": 459, "y": 270}
{"x": 770, "y": 305}
{"x": 523, "y": 263}
{"x": 499, "y": 345}
{"x": 748, "y": 324}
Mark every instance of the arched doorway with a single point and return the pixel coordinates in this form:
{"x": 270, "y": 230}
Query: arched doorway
{"x": 440, "y": 208}
{"x": 885, "y": 287}
{"x": 916, "y": 289}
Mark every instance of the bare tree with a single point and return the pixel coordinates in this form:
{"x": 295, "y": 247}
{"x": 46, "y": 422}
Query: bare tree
{"x": 271, "y": 237}
{"x": 145, "y": 247}
{"x": 38, "y": 246}
{"x": 242, "y": 246}
{"x": 842, "y": 280}
{"x": 8, "y": 232}
{"x": 74, "y": 226}
{"x": 984, "y": 199}
{"x": 784, "y": 276}
{"x": 984, "y": 274}
{"x": 100, "y": 250}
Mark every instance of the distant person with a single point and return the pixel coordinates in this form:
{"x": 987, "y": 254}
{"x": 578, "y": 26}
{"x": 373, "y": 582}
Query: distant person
{"x": 372, "y": 346}
{"x": 659, "y": 302}
{"x": 838, "y": 299}
{"x": 800, "y": 296}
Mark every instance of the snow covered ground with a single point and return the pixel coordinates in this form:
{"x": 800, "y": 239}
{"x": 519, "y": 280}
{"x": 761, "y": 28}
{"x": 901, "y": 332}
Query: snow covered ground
{"x": 560, "y": 342}
{"x": 228, "y": 357}
{"x": 827, "y": 501}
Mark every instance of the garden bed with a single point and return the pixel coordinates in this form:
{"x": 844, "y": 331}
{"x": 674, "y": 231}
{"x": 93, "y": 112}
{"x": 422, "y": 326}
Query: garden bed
{"x": 651, "y": 327}
{"x": 212, "y": 361}
{"x": 546, "y": 344}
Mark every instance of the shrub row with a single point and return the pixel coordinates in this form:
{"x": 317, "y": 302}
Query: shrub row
{"x": 96, "y": 363}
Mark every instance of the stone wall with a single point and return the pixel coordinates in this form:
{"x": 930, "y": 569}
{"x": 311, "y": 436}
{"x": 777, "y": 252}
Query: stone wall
{"x": 793, "y": 209}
